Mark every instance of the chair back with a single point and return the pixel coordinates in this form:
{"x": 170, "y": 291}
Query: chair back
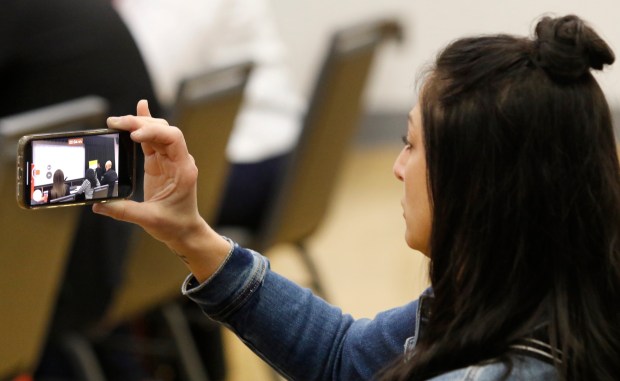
{"x": 34, "y": 244}
{"x": 205, "y": 111}
{"x": 332, "y": 118}
{"x": 70, "y": 197}
{"x": 206, "y": 108}
{"x": 100, "y": 191}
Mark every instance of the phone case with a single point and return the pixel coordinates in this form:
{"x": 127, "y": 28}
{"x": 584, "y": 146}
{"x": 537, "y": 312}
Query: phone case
{"x": 24, "y": 174}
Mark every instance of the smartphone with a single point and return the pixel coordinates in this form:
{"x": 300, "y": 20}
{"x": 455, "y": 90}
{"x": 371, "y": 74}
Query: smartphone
{"x": 75, "y": 168}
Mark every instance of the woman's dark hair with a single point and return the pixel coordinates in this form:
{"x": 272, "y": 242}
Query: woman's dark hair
{"x": 90, "y": 176}
{"x": 59, "y": 188}
{"x": 524, "y": 184}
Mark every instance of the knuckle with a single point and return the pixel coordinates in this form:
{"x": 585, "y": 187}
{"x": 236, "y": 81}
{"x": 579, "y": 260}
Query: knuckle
{"x": 176, "y": 131}
{"x": 162, "y": 121}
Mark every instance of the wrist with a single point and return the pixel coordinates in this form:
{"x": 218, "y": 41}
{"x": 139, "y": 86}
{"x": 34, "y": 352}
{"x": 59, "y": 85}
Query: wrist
{"x": 201, "y": 248}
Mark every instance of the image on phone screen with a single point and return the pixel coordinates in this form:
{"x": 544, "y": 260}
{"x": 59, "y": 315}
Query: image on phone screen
{"x": 77, "y": 168}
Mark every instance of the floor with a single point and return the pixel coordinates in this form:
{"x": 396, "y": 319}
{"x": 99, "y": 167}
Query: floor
{"x": 360, "y": 250}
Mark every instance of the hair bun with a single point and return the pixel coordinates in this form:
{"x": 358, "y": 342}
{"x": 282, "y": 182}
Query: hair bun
{"x": 568, "y": 48}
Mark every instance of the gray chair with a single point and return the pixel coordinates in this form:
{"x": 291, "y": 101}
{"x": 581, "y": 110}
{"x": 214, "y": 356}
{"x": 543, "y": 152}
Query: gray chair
{"x": 70, "y": 197}
{"x": 336, "y": 106}
{"x": 205, "y": 110}
{"x": 34, "y": 244}
{"x": 101, "y": 191}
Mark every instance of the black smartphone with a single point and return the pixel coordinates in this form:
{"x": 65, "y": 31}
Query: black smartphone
{"x": 75, "y": 168}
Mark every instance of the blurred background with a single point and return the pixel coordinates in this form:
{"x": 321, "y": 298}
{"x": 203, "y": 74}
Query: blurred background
{"x": 358, "y": 246}
{"x": 304, "y": 26}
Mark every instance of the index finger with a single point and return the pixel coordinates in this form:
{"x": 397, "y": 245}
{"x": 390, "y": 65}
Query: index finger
{"x": 132, "y": 122}
{"x": 163, "y": 139}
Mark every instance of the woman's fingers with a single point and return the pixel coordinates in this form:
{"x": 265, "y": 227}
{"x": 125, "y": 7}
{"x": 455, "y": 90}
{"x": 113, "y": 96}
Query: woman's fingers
{"x": 164, "y": 140}
{"x": 123, "y": 210}
{"x": 139, "y": 213}
{"x": 170, "y": 175}
{"x": 154, "y": 134}
{"x": 143, "y": 111}
{"x": 143, "y": 108}
{"x": 131, "y": 123}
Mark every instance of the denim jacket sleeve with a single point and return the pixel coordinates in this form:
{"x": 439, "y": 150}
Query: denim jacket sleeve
{"x": 299, "y": 334}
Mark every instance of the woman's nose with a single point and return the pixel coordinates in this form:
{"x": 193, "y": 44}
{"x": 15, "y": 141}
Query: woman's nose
{"x": 399, "y": 166}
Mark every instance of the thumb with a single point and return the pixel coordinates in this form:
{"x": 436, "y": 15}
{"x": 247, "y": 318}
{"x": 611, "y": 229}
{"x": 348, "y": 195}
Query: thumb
{"x": 143, "y": 108}
{"x": 122, "y": 210}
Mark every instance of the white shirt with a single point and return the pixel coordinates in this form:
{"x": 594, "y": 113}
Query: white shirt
{"x": 180, "y": 38}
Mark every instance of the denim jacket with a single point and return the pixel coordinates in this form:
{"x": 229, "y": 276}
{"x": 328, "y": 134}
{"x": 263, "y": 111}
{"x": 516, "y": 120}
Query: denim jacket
{"x": 305, "y": 338}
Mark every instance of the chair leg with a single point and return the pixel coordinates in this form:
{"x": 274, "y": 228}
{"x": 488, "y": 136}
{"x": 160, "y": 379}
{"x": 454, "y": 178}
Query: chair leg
{"x": 83, "y": 358}
{"x": 188, "y": 353}
{"x": 315, "y": 278}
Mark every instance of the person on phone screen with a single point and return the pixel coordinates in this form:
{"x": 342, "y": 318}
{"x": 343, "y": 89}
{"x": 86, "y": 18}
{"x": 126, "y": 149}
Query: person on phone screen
{"x": 59, "y": 187}
{"x": 88, "y": 185}
{"x": 109, "y": 177}
{"x": 99, "y": 171}
{"x": 511, "y": 187}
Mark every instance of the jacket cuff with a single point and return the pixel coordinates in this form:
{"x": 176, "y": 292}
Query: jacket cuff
{"x": 232, "y": 285}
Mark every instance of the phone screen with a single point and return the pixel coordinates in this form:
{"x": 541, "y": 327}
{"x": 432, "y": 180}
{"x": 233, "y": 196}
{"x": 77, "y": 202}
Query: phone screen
{"x": 76, "y": 168}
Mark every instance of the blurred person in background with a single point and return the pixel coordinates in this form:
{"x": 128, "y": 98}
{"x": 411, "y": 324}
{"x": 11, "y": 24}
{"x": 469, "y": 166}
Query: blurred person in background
{"x": 179, "y": 39}
{"x": 55, "y": 51}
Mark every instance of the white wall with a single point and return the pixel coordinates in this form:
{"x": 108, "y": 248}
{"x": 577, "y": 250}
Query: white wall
{"x": 305, "y": 26}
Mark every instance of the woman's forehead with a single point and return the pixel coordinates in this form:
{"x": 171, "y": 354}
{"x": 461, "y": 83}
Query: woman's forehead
{"x": 414, "y": 118}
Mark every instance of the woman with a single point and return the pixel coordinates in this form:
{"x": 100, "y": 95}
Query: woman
{"x": 512, "y": 188}
{"x": 89, "y": 184}
{"x": 525, "y": 204}
{"x": 59, "y": 188}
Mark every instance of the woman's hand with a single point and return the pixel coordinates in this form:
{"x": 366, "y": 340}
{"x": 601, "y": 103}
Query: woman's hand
{"x": 169, "y": 212}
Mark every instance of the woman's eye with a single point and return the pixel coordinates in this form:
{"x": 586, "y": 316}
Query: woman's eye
{"x": 406, "y": 142}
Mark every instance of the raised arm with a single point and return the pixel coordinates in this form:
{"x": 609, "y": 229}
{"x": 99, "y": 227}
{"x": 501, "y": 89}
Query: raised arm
{"x": 299, "y": 334}
{"x": 169, "y": 211}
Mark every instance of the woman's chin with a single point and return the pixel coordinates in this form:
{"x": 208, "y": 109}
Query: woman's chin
{"x": 416, "y": 244}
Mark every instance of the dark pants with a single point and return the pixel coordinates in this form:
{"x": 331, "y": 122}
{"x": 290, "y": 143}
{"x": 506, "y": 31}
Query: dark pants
{"x": 250, "y": 192}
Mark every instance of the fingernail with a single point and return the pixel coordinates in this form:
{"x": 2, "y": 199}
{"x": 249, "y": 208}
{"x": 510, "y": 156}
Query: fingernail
{"x": 98, "y": 209}
{"x": 114, "y": 120}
